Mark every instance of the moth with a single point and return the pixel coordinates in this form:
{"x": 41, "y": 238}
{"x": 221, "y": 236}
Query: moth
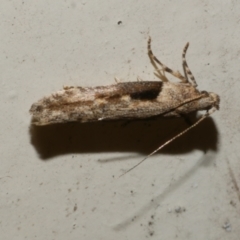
{"x": 129, "y": 100}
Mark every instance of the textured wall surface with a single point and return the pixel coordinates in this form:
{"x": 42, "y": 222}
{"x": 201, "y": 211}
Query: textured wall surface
{"x": 61, "y": 181}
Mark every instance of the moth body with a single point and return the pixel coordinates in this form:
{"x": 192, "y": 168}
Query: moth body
{"x": 129, "y": 100}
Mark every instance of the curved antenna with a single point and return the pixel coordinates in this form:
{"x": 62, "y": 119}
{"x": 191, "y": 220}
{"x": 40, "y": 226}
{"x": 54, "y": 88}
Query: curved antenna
{"x": 170, "y": 140}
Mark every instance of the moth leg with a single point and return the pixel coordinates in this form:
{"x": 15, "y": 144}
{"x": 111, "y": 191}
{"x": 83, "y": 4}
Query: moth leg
{"x": 186, "y": 69}
{"x": 67, "y": 87}
{"x": 154, "y": 59}
{"x": 186, "y": 119}
{"x": 117, "y": 80}
{"x": 158, "y": 72}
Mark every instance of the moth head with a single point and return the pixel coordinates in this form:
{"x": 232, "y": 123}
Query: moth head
{"x": 213, "y": 100}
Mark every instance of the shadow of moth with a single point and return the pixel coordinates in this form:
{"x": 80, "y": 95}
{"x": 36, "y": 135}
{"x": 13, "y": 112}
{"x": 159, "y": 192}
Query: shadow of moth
{"x": 129, "y": 100}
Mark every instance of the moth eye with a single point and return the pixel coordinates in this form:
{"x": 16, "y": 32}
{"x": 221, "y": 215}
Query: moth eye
{"x": 205, "y": 93}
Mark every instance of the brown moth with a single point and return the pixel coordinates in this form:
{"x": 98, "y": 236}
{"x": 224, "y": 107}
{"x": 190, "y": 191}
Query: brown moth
{"x": 129, "y": 100}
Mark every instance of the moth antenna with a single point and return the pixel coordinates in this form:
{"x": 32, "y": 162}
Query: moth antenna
{"x": 155, "y": 60}
{"x": 184, "y": 60}
{"x": 187, "y": 71}
{"x": 162, "y": 76}
{"x": 152, "y": 60}
{"x": 172, "y": 139}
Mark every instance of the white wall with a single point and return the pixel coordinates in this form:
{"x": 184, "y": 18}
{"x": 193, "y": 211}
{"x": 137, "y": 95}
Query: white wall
{"x": 61, "y": 182}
